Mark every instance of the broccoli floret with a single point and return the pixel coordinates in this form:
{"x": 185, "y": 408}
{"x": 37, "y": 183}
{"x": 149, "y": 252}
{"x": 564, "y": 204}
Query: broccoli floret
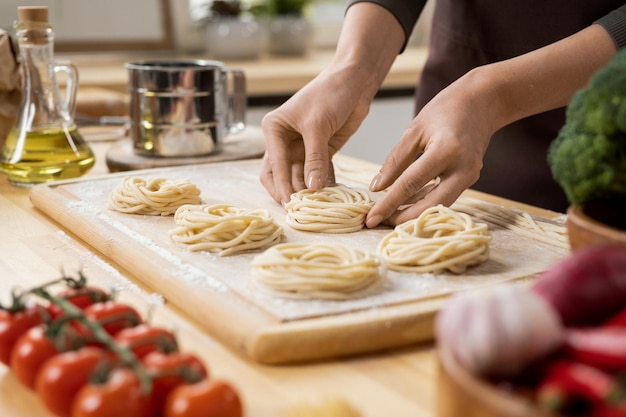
{"x": 589, "y": 166}
{"x": 604, "y": 99}
{"x": 588, "y": 157}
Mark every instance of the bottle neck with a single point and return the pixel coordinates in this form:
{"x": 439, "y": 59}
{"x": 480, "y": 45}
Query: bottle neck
{"x": 36, "y": 47}
{"x": 40, "y": 95}
{"x": 34, "y": 33}
{"x": 37, "y": 60}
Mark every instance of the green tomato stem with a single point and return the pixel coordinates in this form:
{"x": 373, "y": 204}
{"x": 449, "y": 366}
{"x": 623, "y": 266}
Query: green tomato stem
{"x": 125, "y": 355}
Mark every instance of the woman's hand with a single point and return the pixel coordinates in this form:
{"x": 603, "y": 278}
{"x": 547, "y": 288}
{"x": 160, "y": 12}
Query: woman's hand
{"x": 450, "y": 135}
{"x": 453, "y": 130}
{"x": 306, "y": 131}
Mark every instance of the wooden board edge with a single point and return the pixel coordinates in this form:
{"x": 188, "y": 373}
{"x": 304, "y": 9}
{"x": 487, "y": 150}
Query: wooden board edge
{"x": 392, "y": 327}
{"x": 362, "y": 332}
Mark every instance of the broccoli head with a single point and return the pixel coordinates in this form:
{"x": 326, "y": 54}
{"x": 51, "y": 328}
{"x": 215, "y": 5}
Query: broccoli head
{"x": 588, "y": 157}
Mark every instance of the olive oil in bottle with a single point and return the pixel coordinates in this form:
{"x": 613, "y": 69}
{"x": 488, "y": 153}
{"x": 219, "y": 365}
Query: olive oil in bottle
{"x": 45, "y": 155}
{"x": 44, "y": 144}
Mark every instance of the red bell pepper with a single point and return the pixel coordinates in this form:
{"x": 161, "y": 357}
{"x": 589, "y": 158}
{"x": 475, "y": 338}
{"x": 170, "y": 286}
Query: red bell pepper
{"x": 602, "y": 347}
{"x": 567, "y": 382}
{"x": 617, "y": 320}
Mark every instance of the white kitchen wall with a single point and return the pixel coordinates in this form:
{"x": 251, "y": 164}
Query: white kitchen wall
{"x": 95, "y": 20}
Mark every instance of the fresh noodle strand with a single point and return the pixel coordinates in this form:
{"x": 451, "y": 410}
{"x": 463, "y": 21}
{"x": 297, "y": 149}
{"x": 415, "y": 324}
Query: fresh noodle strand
{"x": 517, "y": 221}
{"x": 224, "y": 229}
{"x": 439, "y": 239}
{"x": 317, "y": 270}
{"x": 154, "y": 196}
{"x": 337, "y": 209}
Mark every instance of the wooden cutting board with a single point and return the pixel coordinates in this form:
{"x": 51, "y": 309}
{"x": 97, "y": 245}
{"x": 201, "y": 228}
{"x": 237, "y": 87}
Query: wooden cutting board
{"x": 218, "y": 293}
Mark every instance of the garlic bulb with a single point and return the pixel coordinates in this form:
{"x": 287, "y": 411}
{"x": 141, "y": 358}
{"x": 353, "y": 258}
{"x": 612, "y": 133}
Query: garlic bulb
{"x": 498, "y": 331}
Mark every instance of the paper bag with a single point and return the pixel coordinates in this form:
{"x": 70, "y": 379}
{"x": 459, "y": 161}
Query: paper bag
{"x": 10, "y": 84}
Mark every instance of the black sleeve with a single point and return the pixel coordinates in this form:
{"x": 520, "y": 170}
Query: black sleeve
{"x": 405, "y": 11}
{"x": 615, "y": 24}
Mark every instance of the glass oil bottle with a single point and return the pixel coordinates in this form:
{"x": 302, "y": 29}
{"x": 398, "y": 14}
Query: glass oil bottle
{"x": 44, "y": 144}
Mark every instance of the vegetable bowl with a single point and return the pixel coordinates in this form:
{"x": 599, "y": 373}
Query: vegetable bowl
{"x": 591, "y": 224}
{"x": 554, "y": 347}
{"x": 588, "y": 158}
{"x": 461, "y": 393}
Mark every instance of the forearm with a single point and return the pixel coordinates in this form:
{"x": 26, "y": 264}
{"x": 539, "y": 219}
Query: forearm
{"x": 544, "y": 79}
{"x": 370, "y": 40}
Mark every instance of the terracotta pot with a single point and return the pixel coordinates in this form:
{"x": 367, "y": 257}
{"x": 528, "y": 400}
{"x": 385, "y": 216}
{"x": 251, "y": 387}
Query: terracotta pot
{"x": 595, "y": 224}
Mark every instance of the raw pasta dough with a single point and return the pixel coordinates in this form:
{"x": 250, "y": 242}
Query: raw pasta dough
{"x": 154, "y": 196}
{"x": 439, "y": 239}
{"x": 337, "y": 209}
{"x": 224, "y": 229}
{"x": 547, "y": 231}
{"x": 317, "y": 270}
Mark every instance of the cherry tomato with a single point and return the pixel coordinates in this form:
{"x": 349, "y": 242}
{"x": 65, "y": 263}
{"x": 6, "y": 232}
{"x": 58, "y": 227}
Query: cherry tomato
{"x": 63, "y": 375}
{"x": 30, "y": 352}
{"x": 144, "y": 338}
{"x": 14, "y": 324}
{"x": 36, "y": 346}
{"x": 80, "y": 297}
{"x": 207, "y": 398}
{"x": 119, "y": 396}
{"x": 113, "y": 316}
{"x": 171, "y": 370}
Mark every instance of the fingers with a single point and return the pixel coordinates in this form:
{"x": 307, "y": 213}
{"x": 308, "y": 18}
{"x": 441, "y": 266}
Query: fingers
{"x": 276, "y": 174}
{"x": 331, "y": 175}
{"x": 412, "y": 187}
{"x": 297, "y": 176}
{"x": 404, "y": 177}
{"x": 267, "y": 179}
{"x": 316, "y": 163}
{"x": 424, "y": 191}
{"x": 445, "y": 193}
{"x": 400, "y": 158}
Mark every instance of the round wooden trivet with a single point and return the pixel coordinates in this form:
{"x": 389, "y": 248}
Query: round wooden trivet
{"x": 245, "y": 145}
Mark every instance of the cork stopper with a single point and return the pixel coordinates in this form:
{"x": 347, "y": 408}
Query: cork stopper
{"x": 33, "y": 14}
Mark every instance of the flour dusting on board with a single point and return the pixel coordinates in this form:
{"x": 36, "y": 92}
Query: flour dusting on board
{"x": 512, "y": 256}
{"x": 189, "y": 273}
{"x": 105, "y": 274}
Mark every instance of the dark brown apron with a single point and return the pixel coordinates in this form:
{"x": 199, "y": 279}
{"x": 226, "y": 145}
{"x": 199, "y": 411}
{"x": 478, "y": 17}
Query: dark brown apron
{"x": 469, "y": 33}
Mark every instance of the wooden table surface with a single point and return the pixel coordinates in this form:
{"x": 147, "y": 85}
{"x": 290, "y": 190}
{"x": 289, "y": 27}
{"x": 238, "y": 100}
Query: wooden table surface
{"x": 33, "y": 250}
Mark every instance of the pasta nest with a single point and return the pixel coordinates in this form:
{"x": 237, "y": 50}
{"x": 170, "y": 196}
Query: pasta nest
{"x": 224, "y": 229}
{"x": 439, "y": 239}
{"x": 153, "y": 196}
{"x": 317, "y": 270}
{"x": 337, "y": 209}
